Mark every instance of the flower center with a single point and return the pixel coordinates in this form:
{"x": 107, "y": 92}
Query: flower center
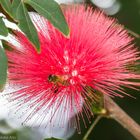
{"x": 74, "y": 73}
{"x": 69, "y": 75}
{"x": 66, "y": 79}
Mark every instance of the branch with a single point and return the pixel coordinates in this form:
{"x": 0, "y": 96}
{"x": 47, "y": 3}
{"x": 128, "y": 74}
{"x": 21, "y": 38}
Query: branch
{"x": 116, "y": 113}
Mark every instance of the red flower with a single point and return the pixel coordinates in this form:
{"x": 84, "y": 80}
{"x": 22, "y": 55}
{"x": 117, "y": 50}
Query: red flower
{"x": 98, "y": 55}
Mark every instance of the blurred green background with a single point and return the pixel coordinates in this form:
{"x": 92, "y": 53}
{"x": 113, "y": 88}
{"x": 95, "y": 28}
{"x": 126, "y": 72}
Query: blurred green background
{"x": 128, "y": 14}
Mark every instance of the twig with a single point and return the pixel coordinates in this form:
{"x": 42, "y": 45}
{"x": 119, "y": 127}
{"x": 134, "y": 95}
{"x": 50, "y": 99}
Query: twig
{"x": 92, "y": 127}
{"x": 116, "y": 113}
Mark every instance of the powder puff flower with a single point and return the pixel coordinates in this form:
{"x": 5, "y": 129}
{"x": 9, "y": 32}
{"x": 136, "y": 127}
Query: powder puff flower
{"x": 53, "y": 86}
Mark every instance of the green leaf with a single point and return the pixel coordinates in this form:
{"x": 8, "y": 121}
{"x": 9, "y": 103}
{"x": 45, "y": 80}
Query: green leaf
{"x": 3, "y": 28}
{"x": 52, "y": 11}
{"x": 14, "y": 7}
{"x": 6, "y": 4}
{"x": 3, "y": 68}
{"x": 26, "y": 25}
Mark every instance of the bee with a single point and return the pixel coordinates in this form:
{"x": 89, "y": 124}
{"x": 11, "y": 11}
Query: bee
{"x": 57, "y": 81}
{"x": 53, "y": 78}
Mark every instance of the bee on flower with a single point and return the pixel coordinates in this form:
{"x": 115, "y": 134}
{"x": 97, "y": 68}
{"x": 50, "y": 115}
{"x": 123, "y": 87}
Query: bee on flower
{"x": 59, "y": 83}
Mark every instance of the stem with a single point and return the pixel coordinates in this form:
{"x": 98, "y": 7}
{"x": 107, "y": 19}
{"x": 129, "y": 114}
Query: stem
{"x": 116, "y": 113}
{"x": 92, "y": 127}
